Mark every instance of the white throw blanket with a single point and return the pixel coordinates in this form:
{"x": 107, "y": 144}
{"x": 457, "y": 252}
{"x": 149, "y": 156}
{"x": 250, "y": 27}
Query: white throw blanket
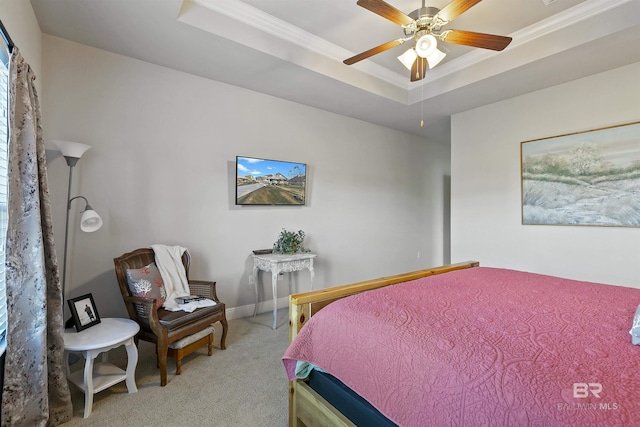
{"x": 174, "y": 277}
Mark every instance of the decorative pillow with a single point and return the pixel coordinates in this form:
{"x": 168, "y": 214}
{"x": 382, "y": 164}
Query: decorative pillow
{"x": 146, "y": 282}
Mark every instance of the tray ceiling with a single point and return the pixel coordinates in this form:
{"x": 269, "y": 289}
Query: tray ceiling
{"x": 294, "y": 49}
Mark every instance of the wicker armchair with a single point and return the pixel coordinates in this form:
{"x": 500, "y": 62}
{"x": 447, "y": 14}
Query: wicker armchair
{"x": 175, "y": 333}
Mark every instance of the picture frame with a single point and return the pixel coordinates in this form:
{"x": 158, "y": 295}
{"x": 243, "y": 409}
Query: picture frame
{"x": 584, "y": 178}
{"x": 84, "y": 312}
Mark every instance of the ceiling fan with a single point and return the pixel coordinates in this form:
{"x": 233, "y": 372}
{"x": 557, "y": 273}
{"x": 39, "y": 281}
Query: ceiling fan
{"x": 424, "y": 25}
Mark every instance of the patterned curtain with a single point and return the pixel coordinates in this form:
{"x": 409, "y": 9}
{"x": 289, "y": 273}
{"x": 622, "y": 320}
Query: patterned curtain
{"x": 35, "y": 392}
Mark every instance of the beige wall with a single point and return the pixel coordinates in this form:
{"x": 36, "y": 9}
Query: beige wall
{"x": 161, "y": 170}
{"x": 20, "y": 21}
{"x": 485, "y": 199}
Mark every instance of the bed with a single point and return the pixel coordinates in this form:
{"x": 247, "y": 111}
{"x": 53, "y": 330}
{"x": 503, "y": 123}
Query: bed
{"x": 464, "y": 345}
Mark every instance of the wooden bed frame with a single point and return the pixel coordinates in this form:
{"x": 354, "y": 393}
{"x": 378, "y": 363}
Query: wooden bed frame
{"x": 306, "y": 407}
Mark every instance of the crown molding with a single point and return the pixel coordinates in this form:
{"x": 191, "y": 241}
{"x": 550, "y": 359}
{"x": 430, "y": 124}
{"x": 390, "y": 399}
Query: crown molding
{"x": 578, "y": 13}
{"x": 289, "y": 34}
{"x": 251, "y": 16}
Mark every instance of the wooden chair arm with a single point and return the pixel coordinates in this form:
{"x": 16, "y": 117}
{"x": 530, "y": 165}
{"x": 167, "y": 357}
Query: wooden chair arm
{"x": 148, "y": 306}
{"x": 204, "y": 288}
{"x": 148, "y": 302}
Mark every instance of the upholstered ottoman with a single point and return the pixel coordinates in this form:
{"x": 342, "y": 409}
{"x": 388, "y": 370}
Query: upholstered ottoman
{"x": 189, "y": 344}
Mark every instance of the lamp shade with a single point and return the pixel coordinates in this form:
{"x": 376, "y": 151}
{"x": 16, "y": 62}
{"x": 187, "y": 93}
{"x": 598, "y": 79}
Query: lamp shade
{"x": 71, "y": 149}
{"x": 435, "y": 58}
{"x": 408, "y": 58}
{"x": 426, "y": 45}
{"x": 90, "y": 221}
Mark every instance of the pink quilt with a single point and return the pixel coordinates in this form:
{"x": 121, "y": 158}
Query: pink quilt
{"x": 483, "y": 347}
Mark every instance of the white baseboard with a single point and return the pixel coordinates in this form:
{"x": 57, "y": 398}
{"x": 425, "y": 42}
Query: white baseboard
{"x": 263, "y": 307}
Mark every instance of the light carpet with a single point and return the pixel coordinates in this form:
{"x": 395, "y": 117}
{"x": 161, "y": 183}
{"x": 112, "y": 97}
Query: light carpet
{"x": 244, "y": 385}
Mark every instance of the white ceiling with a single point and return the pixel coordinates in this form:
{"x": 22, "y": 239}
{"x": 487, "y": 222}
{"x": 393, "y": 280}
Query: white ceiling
{"x": 293, "y": 49}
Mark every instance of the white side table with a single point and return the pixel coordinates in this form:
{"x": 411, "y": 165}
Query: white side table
{"x": 109, "y": 333}
{"x": 276, "y": 264}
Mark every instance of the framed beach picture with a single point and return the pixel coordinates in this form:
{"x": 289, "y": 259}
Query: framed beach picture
{"x": 585, "y": 178}
{"x": 83, "y": 311}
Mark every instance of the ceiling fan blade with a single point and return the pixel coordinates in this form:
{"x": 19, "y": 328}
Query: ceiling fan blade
{"x": 418, "y": 69}
{"x": 455, "y": 9}
{"x": 470, "y": 38}
{"x": 385, "y": 10}
{"x": 375, "y": 50}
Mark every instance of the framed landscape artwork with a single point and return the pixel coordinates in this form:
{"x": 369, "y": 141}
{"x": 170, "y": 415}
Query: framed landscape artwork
{"x": 585, "y": 178}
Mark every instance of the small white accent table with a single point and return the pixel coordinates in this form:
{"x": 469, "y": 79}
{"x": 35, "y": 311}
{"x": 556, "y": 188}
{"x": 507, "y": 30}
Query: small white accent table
{"x": 109, "y": 333}
{"x": 276, "y": 264}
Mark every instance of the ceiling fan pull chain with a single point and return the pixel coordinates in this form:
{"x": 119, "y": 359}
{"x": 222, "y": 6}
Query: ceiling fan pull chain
{"x": 422, "y": 103}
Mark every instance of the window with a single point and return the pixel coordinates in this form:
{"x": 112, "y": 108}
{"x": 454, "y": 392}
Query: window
{"x": 4, "y": 145}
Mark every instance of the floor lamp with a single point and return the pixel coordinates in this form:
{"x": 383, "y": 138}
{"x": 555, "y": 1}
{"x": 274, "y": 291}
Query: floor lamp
{"x": 90, "y": 220}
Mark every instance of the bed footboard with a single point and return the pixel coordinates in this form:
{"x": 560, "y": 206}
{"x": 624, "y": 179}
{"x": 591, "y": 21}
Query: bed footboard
{"x": 306, "y": 407}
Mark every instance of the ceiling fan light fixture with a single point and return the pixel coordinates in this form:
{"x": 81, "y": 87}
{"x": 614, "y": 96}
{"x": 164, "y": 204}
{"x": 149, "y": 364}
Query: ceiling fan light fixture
{"x": 435, "y": 58}
{"x": 423, "y": 27}
{"x": 408, "y": 58}
{"x": 426, "y": 46}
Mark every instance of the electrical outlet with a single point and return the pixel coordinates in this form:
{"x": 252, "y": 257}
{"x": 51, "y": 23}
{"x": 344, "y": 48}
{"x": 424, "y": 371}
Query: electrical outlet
{"x": 252, "y": 280}
{"x": 280, "y": 276}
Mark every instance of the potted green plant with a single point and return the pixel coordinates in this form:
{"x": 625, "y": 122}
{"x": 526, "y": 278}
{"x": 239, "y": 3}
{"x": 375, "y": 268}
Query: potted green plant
{"x": 289, "y": 242}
